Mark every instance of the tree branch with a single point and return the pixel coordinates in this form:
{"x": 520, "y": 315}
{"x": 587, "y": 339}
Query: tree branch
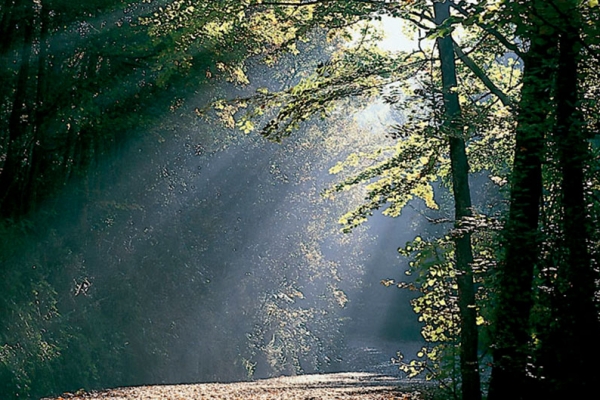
{"x": 492, "y": 31}
{"x": 479, "y": 73}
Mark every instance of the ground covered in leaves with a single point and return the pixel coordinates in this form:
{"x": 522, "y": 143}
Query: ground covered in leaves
{"x": 339, "y": 386}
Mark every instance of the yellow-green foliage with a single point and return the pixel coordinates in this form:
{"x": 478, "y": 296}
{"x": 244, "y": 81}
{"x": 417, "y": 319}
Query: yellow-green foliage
{"x": 396, "y": 175}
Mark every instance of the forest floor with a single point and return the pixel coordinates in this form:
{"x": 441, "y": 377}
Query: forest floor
{"x": 337, "y": 386}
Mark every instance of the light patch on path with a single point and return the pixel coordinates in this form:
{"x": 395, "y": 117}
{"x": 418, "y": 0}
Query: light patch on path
{"x": 340, "y": 386}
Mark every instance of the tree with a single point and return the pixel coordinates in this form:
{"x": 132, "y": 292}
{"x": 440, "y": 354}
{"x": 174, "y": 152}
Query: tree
{"x": 469, "y": 363}
{"x": 575, "y": 312}
{"x": 552, "y": 42}
{"x": 512, "y": 335}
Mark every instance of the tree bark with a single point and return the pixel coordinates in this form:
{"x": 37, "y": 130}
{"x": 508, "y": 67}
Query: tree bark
{"x": 7, "y": 26}
{"x": 11, "y": 175}
{"x": 39, "y": 163}
{"x": 521, "y": 235}
{"x": 469, "y": 365}
{"x": 574, "y": 337}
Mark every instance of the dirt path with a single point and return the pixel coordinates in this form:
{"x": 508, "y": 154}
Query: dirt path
{"x": 339, "y": 386}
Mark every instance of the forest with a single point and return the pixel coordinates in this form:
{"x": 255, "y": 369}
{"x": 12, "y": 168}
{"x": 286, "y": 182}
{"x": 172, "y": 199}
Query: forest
{"x": 220, "y": 191}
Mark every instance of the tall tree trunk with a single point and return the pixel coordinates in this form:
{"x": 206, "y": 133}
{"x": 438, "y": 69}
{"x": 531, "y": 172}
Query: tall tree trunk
{"x": 12, "y": 169}
{"x": 39, "y": 163}
{"x": 7, "y": 26}
{"x": 521, "y": 236}
{"x": 469, "y": 366}
{"x": 574, "y": 337}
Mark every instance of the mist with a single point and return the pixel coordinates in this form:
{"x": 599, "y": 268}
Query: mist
{"x": 206, "y": 255}
{"x": 196, "y": 253}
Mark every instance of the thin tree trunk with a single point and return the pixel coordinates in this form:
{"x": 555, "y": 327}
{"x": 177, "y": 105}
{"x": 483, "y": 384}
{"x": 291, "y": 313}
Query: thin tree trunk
{"x": 469, "y": 365}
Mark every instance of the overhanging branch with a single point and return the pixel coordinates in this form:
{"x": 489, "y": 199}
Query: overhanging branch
{"x": 492, "y": 31}
{"x": 479, "y": 73}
